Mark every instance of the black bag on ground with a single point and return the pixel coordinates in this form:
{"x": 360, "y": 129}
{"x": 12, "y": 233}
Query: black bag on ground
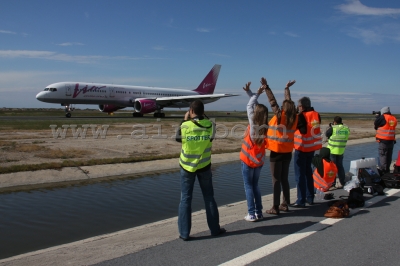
{"x": 370, "y": 181}
{"x": 356, "y": 198}
{"x": 391, "y": 180}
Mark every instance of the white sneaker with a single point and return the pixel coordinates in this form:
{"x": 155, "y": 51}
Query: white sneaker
{"x": 250, "y": 218}
{"x": 259, "y": 217}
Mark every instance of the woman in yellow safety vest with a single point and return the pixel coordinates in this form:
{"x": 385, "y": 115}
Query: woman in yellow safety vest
{"x": 280, "y": 142}
{"x": 252, "y": 153}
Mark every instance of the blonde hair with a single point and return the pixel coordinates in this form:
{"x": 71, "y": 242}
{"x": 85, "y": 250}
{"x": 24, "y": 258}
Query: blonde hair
{"x": 260, "y": 119}
{"x": 289, "y": 108}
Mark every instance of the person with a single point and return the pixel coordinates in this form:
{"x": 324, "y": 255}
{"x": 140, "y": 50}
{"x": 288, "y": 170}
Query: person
{"x": 385, "y": 126}
{"x": 337, "y": 135}
{"x": 252, "y": 154}
{"x": 325, "y": 170}
{"x": 280, "y": 142}
{"x": 196, "y": 135}
{"x": 307, "y": 139}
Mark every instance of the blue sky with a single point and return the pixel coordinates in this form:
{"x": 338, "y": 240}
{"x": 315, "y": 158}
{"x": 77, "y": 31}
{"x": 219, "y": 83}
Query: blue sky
{"x": 343, "y": 54}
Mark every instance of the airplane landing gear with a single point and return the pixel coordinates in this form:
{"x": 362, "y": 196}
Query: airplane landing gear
{"x": 159, "y": 114}
{"x": 68, "y": 110}
{"x": 137, "y": 114}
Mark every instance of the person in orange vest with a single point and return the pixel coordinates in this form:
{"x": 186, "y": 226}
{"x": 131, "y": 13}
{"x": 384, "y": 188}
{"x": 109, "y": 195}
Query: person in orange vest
{"x": 280, "y": 142}
{"x": 325, "y": 170}
{"x": 252, "y": 154}
{"x": 307, "y": 140}
{"x": 385, "y": 126}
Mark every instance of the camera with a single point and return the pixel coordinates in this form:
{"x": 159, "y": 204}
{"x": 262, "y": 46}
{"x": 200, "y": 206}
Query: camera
{"x": 376, "y": 112}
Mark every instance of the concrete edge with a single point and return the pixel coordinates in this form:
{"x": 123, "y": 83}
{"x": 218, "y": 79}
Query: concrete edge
{"x": 21, "y": 181}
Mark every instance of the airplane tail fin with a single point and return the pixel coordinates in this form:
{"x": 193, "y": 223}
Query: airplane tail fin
{"x": 207, "y": 86}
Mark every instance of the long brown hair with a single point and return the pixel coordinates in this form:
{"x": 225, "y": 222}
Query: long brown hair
{"x": 260, "y": 118}
{"x": 289, "y": 108}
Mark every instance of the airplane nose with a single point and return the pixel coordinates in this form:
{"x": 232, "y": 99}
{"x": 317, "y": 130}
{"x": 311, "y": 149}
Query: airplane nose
{"x": 40, "y": 96}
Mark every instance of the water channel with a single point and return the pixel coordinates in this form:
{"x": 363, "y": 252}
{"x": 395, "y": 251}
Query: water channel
{"x": 37, "y": 219}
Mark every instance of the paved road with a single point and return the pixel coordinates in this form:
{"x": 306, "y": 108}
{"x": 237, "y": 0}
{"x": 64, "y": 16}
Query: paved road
{"x": 370, "y": 236}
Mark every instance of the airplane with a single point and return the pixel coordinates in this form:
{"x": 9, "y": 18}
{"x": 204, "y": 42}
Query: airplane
{"x": 144, "y": 100}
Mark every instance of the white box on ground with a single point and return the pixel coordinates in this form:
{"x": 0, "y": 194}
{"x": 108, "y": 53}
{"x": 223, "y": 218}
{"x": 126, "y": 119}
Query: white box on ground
{"x": 362, "y": 163}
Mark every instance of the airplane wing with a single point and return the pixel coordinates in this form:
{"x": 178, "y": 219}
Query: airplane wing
{"x": 177, "y": 101}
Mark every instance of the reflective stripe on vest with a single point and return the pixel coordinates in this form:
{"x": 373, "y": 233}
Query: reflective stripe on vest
{"x": 388, "y": 131}
{"x": 337, "y": 142}
{"x": 325, "y": 182}
{"x": 280, "y": 139}
{"x": 196, "y": 145}
{"x": 312, "y": 140}
{"x": 252, "y": 154}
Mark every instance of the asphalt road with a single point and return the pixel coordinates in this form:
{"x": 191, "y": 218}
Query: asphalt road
{"x": 369, "y": 236}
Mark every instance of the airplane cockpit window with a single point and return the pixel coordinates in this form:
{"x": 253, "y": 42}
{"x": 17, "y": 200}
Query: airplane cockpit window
{"x": 52, "y": 89}
{"x": 46, "y": 89}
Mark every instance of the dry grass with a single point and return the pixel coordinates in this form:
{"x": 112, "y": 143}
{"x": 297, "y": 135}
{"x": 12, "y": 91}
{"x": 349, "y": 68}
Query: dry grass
{"x": 29, "y": 148}
{"x": 64, "y": 154}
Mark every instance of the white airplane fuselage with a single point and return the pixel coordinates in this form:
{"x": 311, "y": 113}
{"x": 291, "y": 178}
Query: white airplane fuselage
{"x": 143, "y": 99}
{"x": 120, "y": 95}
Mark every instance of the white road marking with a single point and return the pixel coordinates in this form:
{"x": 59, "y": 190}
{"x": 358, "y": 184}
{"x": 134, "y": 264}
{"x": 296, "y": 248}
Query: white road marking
{"x": 290, "y": 239}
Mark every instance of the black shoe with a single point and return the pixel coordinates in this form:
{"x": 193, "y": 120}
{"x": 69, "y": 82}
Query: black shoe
{"x": 309, "y": 202}
{"x": 185, "y": 238}
{"x": 221, "y": 231}
{"x": 296, "y": 205}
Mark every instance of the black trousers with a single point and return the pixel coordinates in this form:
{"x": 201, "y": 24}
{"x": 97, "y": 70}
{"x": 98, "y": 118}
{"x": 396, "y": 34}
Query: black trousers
{"x": 280, "y": 181}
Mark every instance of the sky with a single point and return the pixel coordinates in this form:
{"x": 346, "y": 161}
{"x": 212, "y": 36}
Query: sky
{"x": 343, "y": 54}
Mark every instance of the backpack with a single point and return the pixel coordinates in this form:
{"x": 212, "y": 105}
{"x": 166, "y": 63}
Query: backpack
{"x": 339, "y": 209}
{"x": 356, "y": 198}
{"x": 370, "y": 181}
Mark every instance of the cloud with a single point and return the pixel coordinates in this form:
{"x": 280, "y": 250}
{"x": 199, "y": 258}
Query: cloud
{"x": 376, "y": 34}
{"x": 159, "y": 48}
{"x": 291, "y": 34}
{"x": 49, "y": 55}
{"x": 69, "y": 43}
{"x": 355, "y": 7}
{"x": 203, "y": 30}
{"x": 7, "y": 32}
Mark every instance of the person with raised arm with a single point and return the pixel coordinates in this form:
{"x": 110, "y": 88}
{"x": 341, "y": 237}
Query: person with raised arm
{"x": 280, "y": 142}
{"x": 252, "y": 154}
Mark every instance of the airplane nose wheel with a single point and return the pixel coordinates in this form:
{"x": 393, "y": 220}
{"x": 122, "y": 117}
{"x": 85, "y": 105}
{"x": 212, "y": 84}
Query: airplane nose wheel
{"x": 68, "y": 115}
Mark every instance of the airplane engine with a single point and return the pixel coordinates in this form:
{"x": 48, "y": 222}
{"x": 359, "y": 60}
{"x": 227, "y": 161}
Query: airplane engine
{"x": 109, "y": 108}
{"x": 145, "y": 106}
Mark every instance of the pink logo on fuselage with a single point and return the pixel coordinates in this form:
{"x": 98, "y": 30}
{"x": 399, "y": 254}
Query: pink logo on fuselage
{"x": 85, "y": 89}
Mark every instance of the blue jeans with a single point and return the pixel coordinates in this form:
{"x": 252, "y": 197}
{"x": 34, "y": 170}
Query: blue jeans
{"x": 185, "y": 206}
{"x": 253, "y": 194}
{"x": 338, "y": 160}
{"x": 303, "y": 174}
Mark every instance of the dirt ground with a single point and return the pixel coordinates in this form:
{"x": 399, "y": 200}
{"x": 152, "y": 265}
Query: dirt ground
{"x": 122, "y": 141}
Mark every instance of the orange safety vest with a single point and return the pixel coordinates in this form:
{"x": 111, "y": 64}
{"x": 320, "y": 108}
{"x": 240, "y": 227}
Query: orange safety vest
{"x": 325, "y": 182}
{"x": 252, "y": 154}
{"x": 280, "y": 138}
{"x": 388, "y": 131}
{"x": 312, "y": 140}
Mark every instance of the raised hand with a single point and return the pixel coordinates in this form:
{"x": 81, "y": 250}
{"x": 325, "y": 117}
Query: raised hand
{"x": 290, "y": 83}
{"x": 247, "y": 86}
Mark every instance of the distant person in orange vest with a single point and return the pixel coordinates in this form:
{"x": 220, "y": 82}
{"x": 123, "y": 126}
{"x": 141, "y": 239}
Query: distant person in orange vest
{"x": 325, "y": 170}
{"x": 307, "y": 140}
{"x": 252, "y": 155}
{"x": 385, "y": 126}
{"x": 280, "y": 142}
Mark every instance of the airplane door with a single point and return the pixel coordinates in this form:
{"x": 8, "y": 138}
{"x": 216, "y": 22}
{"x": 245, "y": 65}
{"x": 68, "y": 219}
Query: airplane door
{"x": 68, "y": 90}
{"x": 112, "y": 92}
